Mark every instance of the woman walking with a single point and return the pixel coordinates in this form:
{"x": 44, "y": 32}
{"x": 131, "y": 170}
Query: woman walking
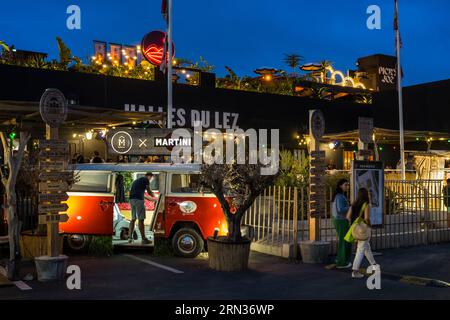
{"x": 339, "y": 209}
{"x": 361, "y": 208}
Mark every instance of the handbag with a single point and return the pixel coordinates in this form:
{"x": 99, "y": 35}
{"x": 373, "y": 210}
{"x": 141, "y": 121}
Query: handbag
{"x": 362, "y": 228}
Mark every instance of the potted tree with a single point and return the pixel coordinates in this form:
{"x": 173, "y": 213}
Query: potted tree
{"x": 236, "y": 186}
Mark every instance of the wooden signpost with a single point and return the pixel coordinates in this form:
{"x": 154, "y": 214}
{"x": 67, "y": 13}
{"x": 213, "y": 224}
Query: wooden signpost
{"x": 53, "y": 158}
{"x": 316, "y": 174}
{"x": 53, "y": 218}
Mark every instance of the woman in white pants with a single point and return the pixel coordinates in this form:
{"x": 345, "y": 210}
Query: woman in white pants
{"x": 361, "y": 207}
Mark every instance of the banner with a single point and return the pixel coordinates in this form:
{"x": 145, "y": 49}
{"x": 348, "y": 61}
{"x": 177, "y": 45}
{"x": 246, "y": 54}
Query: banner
{"x": 130, "y": 56}
{"x": 370, "y": 175}
{"x": 115, "y": 51}
{"x": 100, "y": 50}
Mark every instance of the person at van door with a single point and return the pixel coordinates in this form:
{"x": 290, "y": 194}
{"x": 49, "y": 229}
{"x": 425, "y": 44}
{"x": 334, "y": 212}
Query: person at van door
{"x": 96, "y": 158}
{"x": 137, "y": 202}
{"x": 339, "y": 209}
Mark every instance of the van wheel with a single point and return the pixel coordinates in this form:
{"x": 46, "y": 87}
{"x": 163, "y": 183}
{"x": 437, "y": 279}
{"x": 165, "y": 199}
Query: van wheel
{"x": 77, "y": 242}
{"x": 187, "y": 243}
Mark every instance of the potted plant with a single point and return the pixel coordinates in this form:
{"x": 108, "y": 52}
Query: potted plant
{"x": 236, "y": 186}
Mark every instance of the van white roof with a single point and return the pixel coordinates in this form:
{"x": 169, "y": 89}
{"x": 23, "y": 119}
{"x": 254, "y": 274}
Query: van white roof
{"x": 137, "y": 167}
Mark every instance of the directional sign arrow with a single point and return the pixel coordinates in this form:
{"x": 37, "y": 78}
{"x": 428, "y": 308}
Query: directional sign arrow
{"x": 53, "y": 186}
{"x": 53, "y": 153}
{"x": 58, "y": 144}
{"x": 59, "y": 207}
{"x": 59, "y": 175}
{"x": 53, "y": 218}
{"x": 55, "y": 165}
{"x": 53, "y": 197}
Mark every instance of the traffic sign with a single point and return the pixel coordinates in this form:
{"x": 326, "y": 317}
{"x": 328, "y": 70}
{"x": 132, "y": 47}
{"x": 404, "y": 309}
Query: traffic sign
{"x": 53, "y": 207}
{"x": 58, "y": 175}
{"x": 53, "y": 197}
{"x": 53, "y": 165}
{"x": 53, "y": 218}
{"x": 53, "y": 186}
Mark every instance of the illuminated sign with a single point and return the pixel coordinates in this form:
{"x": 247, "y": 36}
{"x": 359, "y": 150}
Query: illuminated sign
{"x": 151, "y": 141}
{"x": 387, "y": 75}
{"x": 153, "y": 47}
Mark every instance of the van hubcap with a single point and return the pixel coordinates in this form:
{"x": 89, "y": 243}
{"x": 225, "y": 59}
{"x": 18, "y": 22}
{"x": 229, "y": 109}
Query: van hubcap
{"x": 186, "y": 243}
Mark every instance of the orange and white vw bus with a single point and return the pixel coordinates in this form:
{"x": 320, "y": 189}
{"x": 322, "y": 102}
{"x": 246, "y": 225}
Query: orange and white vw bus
{"x": 185, "y": 213}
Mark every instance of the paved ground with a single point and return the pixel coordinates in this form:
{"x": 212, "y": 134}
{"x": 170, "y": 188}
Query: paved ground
{"x": 129, "y": 276}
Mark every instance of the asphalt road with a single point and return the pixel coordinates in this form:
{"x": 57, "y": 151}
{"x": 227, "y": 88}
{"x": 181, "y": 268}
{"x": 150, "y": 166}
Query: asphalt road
{"x": 140, "y": 275}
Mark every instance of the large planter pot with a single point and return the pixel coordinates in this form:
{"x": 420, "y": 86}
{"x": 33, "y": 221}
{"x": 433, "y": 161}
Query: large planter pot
{"x": 35, "y": 245}
{"x": 228, "y": 256}
{"x": 51, "y": 268}
{"x": 315, "y": 251}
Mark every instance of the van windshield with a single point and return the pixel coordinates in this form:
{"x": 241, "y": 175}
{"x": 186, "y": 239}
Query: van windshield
{"x": 187, "y": 183}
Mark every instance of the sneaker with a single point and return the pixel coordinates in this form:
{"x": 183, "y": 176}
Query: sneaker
{"x": 130, "y": 240}
{"x": 146, "y": 241}
{"x": 345, "y": 266}
{"x": 357, "y": 274}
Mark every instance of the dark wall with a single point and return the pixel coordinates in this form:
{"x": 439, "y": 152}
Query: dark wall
{"x": 426, "y": 107}
{"x": 256, "y": 110}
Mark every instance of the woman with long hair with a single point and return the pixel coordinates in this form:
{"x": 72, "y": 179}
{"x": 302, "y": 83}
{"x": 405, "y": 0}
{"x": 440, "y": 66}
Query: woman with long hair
{"x": 339, "y": 208}
{"x": 361, "y": 207}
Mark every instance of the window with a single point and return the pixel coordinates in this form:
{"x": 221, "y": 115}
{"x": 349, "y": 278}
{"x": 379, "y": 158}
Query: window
{"x": 187, "y": 183}
{"x": 92, "y": 181}
{"x": 154, "y": 185}
{"x": 348, "y": 157}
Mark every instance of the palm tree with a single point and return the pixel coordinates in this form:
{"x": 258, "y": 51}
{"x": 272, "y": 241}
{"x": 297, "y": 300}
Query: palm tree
{"x": 293, "y": 60}
{"x": 325, "y": 64}
{"x": 4, "y": 46}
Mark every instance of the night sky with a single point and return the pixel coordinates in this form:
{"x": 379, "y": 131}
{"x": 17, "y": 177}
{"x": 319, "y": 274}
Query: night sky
{"x": 246, "y": 34}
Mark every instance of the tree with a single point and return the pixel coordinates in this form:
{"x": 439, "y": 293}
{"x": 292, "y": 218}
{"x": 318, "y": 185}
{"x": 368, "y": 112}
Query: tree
{"x": 65, "y": 55}
{"x": 236, "y": 186}
{"x": 294, "y": 172}
{"x": 4, "y": 46}
{"x": 13, "y": 162}
{"x": 293, "y": 60}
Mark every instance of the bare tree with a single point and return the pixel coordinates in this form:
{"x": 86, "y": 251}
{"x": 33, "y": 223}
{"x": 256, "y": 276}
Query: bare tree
{"x": 13, "y": 161}
{"x": 236, "y": 186}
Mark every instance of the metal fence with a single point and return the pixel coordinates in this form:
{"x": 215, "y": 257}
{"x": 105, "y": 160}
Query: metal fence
{"x": 414, "y": 215}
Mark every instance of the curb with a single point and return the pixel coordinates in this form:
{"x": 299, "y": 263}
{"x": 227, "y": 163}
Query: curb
{"x": 413, "y": 280}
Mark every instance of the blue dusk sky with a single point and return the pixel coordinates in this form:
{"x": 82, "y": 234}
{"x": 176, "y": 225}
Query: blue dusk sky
{"x": 245, "y": 35}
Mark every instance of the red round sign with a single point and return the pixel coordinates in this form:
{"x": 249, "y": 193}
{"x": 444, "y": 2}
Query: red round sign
{"x": 153, "y": 47}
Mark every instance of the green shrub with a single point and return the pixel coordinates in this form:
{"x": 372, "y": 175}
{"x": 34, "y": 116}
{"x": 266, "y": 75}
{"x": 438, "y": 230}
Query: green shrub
{"x": 101, "y": 246}
{"x": 163, "y": 247}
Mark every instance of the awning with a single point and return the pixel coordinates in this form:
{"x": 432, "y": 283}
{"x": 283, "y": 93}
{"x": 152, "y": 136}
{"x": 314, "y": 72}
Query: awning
{"x": 388, "y": 136}
{"x": 87, "y": 116}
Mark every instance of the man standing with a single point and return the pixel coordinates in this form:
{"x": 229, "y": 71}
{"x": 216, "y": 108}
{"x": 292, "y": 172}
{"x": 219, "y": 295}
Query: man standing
{"x": 137, "y": 202}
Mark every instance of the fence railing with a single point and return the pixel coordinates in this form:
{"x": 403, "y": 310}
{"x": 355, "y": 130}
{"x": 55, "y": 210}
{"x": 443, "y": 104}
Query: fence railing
{"x": 414, "y": 214}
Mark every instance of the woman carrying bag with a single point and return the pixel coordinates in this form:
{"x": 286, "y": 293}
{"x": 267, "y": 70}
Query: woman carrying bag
{"x": 339, "y": 209}
{"x": 359, "y": 217}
